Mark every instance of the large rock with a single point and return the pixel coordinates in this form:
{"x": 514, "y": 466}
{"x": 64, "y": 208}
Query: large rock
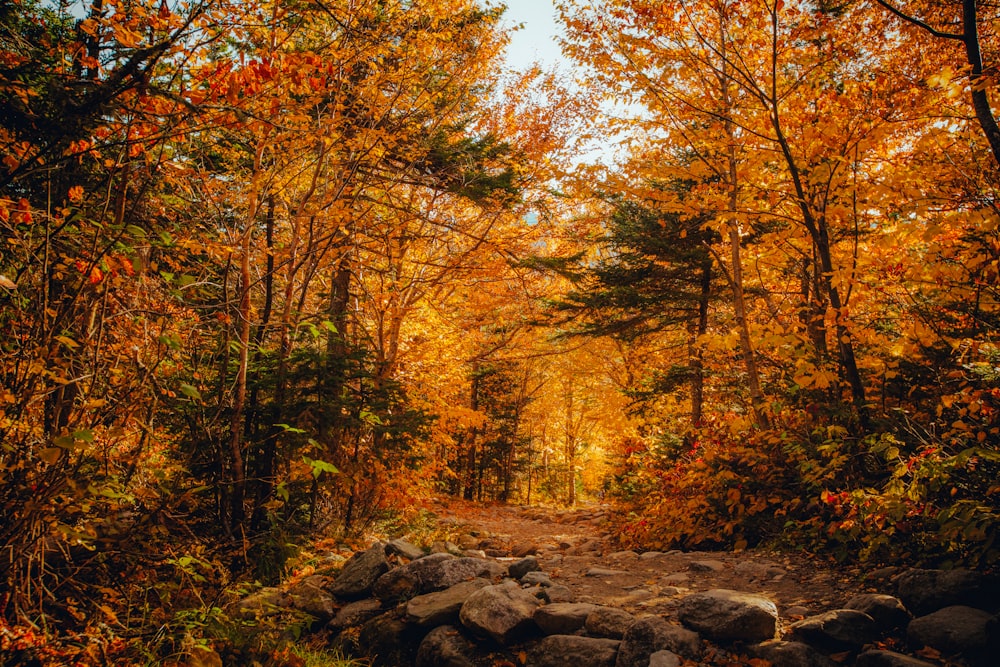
{"x": 355, "y": 613}
{"x": 837, "y": 630}
{"x": 562, "y": 650}
{"x": 445, "y": 647}
{"x": 729, "y": 615}
{"x": 887, "y": 611}
{"x": 651, "y": 634}
{"x": 503, "y": 612}
{"x": 879, "y": 658}
{"x": 563, "y": 618}
{"x": 790, "y": 654}
{"x": 310, "y": 596}
{"x": 924, "y": 591}
{"x": 360, "y": 573}
{"x": 536, "y": 579}
{"x": 414, "y": 578}
{"x": 389, "y": 641}
{"x": 440, "y": 608}
{"x": 956, "y": 630}
{"x": 558, "y": 593}
{"x": 608, "y": 622}
{"x": 265, "y": 602}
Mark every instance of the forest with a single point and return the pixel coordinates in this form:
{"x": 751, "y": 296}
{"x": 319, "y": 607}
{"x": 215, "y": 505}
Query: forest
{"x": 275, "y": 273}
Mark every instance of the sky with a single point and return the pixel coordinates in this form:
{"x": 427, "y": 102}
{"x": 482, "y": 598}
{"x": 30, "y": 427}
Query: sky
{"x": 536, "y": 40}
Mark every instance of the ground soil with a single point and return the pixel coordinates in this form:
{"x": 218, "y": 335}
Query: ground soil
{"x": 569, "y": 544}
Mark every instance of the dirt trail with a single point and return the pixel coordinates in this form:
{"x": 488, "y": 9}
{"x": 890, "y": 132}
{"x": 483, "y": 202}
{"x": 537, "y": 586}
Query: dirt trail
{"x": 575, "y": 548}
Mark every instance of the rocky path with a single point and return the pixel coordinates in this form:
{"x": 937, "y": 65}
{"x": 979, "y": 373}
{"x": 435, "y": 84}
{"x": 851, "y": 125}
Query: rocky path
{"x": 575, "y": 548}
{"x": 507, "y": 586}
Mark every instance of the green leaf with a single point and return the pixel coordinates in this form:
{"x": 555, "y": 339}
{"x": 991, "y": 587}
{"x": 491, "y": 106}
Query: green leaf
{"x": 85, "y": 435}
{"x": 329, "y": 326}
{"x": 136, "y": 231}
{"x": 287, "y": 428}
{"x": 190, "y": 392}
{"x": 319, "y": 467}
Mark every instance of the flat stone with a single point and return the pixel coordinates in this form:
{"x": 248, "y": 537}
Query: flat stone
{"x": 563, "y": 650}
{"x": 836, "y": 630}
{"x": 650, "y": 555}
{"x": 790, "y": 654}
{"x": 310, "y": 596}
{"x": 265, "y": 602}
{"x": 405, "y": 549}
{"x": 608, "y": 622}
{"x": 503, "y": 612}
{"x": 676, "y": 578}
{"x": 879, "y": 658}
{"x": 464, "y": 569}
{"x": 360, "y": 573}
{"x": 729, "y": 615}
{"x": 650, "y": 634}
{"x": 956, "y": 630}
{"x": 414, "y": 578}
{"x": 707, "y": 566}
{"x": 603, "y": 572}
{"x": 441, "y": 608}
{"x": 563, "y": 618}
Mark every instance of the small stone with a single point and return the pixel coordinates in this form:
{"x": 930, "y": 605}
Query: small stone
{"x": 706, "y": 566}
{"x": 310, "y": 596}
{"x": 797, "y": 611}
{"x": 650, "y": 555}
{"x": 473, "y": 553}
{"x": 730, "y": 615}
{"x": 536, "y": 579}
{"x": 603, "y": 572}
{"x": 676, "y": 578}
{"x": 519, "y": 568}
{"x": 445, "y": 547}
{"x": 522, "y": 550}
{"x": 623, "y": 555}
{"x": 639, "y": 594}
{"x": 558, "y": 593}
{"x": 836, "y": 630}
{"x": 608, "y": 622}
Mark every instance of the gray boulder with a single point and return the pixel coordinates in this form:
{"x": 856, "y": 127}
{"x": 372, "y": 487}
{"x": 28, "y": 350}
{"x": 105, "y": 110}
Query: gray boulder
{"x": 608, "y": 622}
{"x": 879, "y": 658}
{"x": 563, "y": 618}
{"x": 837, "y": 630}
{"x": 707, "y": 566}
{"x": 651, "y": 634}
{"x": 445, "y": 647}
{"x": 441, "y": 608}
{"x": 360, "y": 573}
{"x": 924, "y": 591}
{"x": 790, "y": 654}
{"x": 462, "y": 569}
{"x": 562, "y": 650}
{"x": 503, "y": 612}
{"x": 956, "y": 630}
{"x": 729, "y": 615}
{"x": 389, "y": 641}
{"x": 887, "y": 611}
